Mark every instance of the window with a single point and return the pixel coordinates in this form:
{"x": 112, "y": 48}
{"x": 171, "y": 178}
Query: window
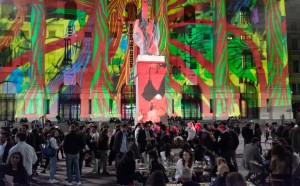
{"x": 294, "y": 44}
{"x": 189, "y": 13}
{"x": 90, "y": 106}
{"x": 47, "y": 106}
{"x": 295, "y": 88}
{"x": 87, "y": 34}
{"x": 52, "y": 33}
{"x": 206, "y": 36}
{"x": 245, "y": 15}
{"x": 295, "y": 66}
{"x": 211, "y": 105}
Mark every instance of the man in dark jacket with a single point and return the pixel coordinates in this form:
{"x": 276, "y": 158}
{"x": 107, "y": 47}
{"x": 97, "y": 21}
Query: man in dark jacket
{"x": 247, "y": 133}
{"x": 73, "y": 144}
{"x": 5, "y": 146}
{"x": 120, "y": 143}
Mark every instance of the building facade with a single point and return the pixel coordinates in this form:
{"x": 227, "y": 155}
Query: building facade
{"x": 75, "y": 58}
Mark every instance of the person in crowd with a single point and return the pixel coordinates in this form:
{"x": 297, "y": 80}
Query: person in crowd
{"x": 14, "y": 173}
{"x": 30, "y": 139}
{"x": 228, "y": 145}
{"x": 88, "y": 153}
{"x": 187, "y": 160}
{"x": 145, "y": 141}
{"x": 222, "y": 172}
{"x": 187, "y": 177}
{"x": 136, "y": 131}
{"x": 190, "y": 129}
{"x": 267, "y": 132}
{"x": 27, "y": 152}
{"x": 199, "y": 150}
{"x": 156, "y": 178}
{"x": 60, "y": 139}
{"x": 235, "y": 179}
{"x": 120, "y": 143}
{"x": 72, "y": 145}
{"x": 82, "y": 135}
{"x": 280, "y": 166}
{"x": 53, "y": 160}
{"x": 295, "y": 140}
{"x": 163, "y": 138}
{"x": 103, "y": 151}
{"x": 126, "y": 168}
{"x": 219, "y": 162}
{"x": 94, "y": 146}
{"x": 295, "y": 157}
{"x": 112, "y": 153}
{"x": 45, "y": 140}
{"x": 167, "y": 156}
{"x": 5, "y": 146}
{"x": 155, "y": 164}
{"x": 208, "y": 140}
{"x": 37, "y": 148}
{"x": 258, "y": 134}
{"x": 251, "y": 152}
{"x": 247, "y": 133}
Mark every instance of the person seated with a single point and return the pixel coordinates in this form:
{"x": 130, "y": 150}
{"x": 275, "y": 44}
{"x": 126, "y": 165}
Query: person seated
{"x": 280, "y": 164}
{"x": 219, "y": 162}
{"x": 156, "y": 178}
{"x": 126, "y": 169}
{"x": 155, "y": 164}
{"x": 251, "y": 153}
{"x": 187, "y": 175}
{"x": 294, "y": 156}
{"x": 167, "y": 155}
{"x": 14, "y": 172}
{"x": 187, "y": 161}
{"x": 235, "y": 179}
{"x": 222, "y": 172}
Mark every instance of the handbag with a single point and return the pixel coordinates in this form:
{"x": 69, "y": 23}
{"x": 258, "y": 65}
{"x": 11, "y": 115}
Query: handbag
{"x": 49, "y": 151}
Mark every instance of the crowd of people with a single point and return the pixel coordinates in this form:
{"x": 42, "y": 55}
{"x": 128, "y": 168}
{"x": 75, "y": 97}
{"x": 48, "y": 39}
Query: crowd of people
{"x": 151, "y": 144}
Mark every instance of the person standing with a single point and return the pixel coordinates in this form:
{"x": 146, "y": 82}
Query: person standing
{"x": 4, "y": 147}
{"x": 267, "y": 132}
{"x": 27, "y": 152}
{"x": 120, "y": 143}
{"x": 72, "y": 145}
{"x": 53, "y": 160}
{"x": 103, "y": 148}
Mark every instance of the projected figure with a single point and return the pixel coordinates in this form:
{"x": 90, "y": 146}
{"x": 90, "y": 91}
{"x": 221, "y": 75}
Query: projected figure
{"x": 154, "y": 93}
{"x": 146, "y": 33}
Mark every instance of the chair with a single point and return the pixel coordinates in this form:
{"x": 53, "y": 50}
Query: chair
{"x": 258, "y": 171}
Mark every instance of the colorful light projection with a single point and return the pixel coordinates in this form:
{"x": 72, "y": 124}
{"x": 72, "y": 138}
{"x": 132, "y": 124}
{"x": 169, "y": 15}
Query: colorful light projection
{"x": 232, "y": 50}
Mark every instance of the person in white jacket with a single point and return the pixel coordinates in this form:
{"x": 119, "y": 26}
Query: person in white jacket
{"x": 27, "y": 151}
{"x": 190, "y": 129}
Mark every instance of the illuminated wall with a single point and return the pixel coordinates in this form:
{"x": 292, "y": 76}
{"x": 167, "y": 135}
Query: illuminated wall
{"x": 74, "y": 58}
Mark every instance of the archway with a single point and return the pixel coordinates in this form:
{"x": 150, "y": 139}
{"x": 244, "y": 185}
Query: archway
{"x": 249, "y": 102}
{"x": 191, "y": 102}
{"x": 69, "y": 102}
{"x": 7, "y": 101}
{"x": 128, "y": 105}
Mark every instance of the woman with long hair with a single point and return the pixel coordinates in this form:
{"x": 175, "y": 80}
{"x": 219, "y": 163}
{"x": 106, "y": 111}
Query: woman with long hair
{"x": 187, "y": 160}
{"x": 14, "y": 172}
{"x": 281, "y": 163}
{"x": 53, "y": 160}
